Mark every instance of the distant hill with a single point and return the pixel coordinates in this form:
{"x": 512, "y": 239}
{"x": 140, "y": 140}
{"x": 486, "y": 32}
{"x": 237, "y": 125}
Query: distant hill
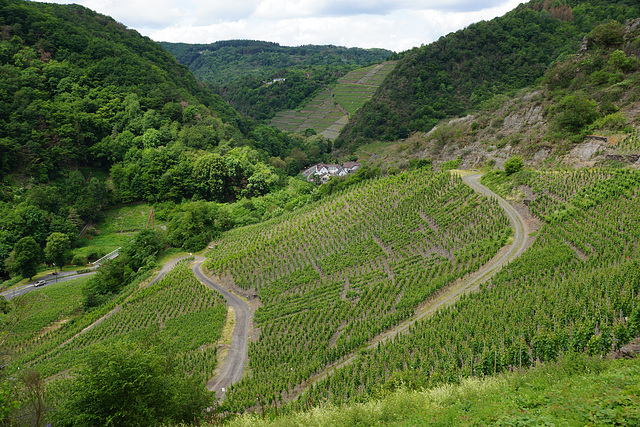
{"x": 584, "y": 112}
{"x": 242, "y": 69}
{"x": 460, "y": 71}
{"x": 330, "y": 110}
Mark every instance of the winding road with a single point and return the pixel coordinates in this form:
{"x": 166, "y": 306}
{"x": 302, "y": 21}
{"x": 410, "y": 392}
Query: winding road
{"x": 453, "y": 292}
{"x": 233, "y": 366}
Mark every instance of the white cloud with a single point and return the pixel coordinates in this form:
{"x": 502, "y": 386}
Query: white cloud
{"x": 392, "y": 24}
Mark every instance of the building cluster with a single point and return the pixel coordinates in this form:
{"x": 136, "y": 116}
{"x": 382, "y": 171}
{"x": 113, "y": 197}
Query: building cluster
{"x": 323, "y": 172}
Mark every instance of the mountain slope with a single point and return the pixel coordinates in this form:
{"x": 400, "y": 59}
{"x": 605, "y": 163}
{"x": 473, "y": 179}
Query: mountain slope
{"x": 69, "y": 78}
{"x": 242, "y": 70}
{"x": 460, "y": 71}
{"x": 329, "y": 111}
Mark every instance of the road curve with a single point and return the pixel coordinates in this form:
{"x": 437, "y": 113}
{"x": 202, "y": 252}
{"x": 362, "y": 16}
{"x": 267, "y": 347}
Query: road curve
{"x": 233, "y": 366}
{"x": 453, "y": 292}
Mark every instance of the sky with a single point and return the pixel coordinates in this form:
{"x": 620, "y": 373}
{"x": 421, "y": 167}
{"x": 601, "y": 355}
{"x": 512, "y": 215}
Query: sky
{"x": 396, "y": 25}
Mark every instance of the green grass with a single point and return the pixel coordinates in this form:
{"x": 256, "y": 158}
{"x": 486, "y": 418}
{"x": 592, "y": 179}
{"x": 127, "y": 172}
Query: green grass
{"x": 115, "y": 230}
{"x": 576, "y": 391}
{"x": 43, "y": 311}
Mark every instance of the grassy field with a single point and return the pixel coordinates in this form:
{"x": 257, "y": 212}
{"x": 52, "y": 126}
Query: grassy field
{"x": 329, "y": 111}
{"x": 116, "y": 229}
{"x": 183, "y": 313}
{"x": 577, "y": 391}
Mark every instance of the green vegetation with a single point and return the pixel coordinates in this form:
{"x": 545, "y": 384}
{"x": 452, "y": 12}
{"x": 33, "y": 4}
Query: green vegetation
{"x": 168, "y": 330}
{"x": 460, "y": 72}
{"x": 513, "y": 165}
{"x": 336, "y": 273}
{"x": 575, "y": 391}
{"x": 328, "y": 112}
{"x": 244, "y": 71}
{"x": 132, "y": 384}
{"x": 94, "y": 115}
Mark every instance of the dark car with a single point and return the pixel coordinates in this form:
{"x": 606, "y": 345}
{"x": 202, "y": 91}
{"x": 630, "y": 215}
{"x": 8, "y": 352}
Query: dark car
{"x": 39, "y": 283}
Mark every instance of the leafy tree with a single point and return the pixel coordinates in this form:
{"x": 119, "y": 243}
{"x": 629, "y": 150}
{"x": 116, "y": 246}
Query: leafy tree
{"x": 513, "y": 165}
{"x": 133, "y": 385}
{"x": 57, "y": 246}
{"x": 26, "y": 257}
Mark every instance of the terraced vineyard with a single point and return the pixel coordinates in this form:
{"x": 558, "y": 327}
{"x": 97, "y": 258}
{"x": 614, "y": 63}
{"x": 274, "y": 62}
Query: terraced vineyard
{"x": 186, "y": 316}
{"x": 341, "y": 271}
{"x": 576, "y": 289}
{"x": 329, "y": 111}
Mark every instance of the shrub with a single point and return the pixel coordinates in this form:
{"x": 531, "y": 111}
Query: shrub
{"x": 575, "y": 112}
{"x": 513, "y": 165}
{"x": 79, "y": 260}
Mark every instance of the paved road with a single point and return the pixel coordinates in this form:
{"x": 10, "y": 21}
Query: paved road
{"x": 50, "y": 279}
{"x": 233, "y": 366}
{"x": 452, "y": 293}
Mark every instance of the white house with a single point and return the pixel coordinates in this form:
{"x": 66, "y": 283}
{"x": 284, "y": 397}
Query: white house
{"x": 326, "y": 171}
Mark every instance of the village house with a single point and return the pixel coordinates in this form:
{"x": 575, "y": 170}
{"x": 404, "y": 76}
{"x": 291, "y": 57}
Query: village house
{"x": 324, "y": 172}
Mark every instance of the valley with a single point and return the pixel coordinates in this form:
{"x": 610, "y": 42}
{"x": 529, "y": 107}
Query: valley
{"x": 479, "y": 267}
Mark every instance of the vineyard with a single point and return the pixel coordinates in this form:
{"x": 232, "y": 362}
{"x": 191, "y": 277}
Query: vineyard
{"x": 327, "y": 113}
{"x": 337, "y": 273}
{"x": 575, "y": 290}
{"x": 186, "y": 316}
{"x": 631, "y": 142}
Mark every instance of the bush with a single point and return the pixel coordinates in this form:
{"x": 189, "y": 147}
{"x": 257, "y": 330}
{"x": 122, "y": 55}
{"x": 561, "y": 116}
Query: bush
{"x": 575, "y": 112}
{"x": 79, "y": 260}
{"x": 127, "y": 384}
{"x": 513, "y": 165}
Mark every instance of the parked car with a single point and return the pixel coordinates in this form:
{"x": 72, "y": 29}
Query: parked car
{"x": 39, "y": 283}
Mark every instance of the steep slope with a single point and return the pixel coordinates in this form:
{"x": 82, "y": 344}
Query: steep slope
{"x": 69, "y": 79}
{"x": 262, "y": 78}
{"x": 585, "y": 112}
{"x": 334, "y": 275}
{"x": 329, "y": 111}
{"x": 460, "y": 71}
{"x": 92, "y": 114}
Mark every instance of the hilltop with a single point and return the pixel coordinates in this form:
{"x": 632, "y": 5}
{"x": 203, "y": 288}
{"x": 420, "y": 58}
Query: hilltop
{"x": 585, "y": 112}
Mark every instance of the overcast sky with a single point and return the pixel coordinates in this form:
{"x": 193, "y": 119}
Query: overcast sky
{"x": 392, "y": 24}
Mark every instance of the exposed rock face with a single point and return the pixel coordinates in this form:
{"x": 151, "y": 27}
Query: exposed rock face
{"x": 516, "y": 121}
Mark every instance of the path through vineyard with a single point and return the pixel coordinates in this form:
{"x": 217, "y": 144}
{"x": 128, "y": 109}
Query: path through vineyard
{"x": 453, "y": 292}
{"x": 233, "y": 367}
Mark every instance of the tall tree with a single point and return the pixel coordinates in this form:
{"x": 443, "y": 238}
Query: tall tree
{"x": 26, "y": 257}
{"x": 57, "y": 246}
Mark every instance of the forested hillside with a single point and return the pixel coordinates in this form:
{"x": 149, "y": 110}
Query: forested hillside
{"x": 244, "y": 71}
{"x": 460, "y": 71}
{"x": 92, "y": 114}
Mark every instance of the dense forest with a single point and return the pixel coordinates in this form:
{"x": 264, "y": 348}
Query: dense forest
{"x": 92, "y": 114}
{"x": 243, "y": 71}
{"x": 463, "y": 70}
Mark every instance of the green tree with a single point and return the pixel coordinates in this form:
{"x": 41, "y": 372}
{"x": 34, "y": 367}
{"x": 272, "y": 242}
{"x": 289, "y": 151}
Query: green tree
{"x": 26, "y": 257}
{"x": 576, "y": 112}
{"x": 57, "y": 246}
{"x": 133, "y": 385}
{"x": 513, "y": 165}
